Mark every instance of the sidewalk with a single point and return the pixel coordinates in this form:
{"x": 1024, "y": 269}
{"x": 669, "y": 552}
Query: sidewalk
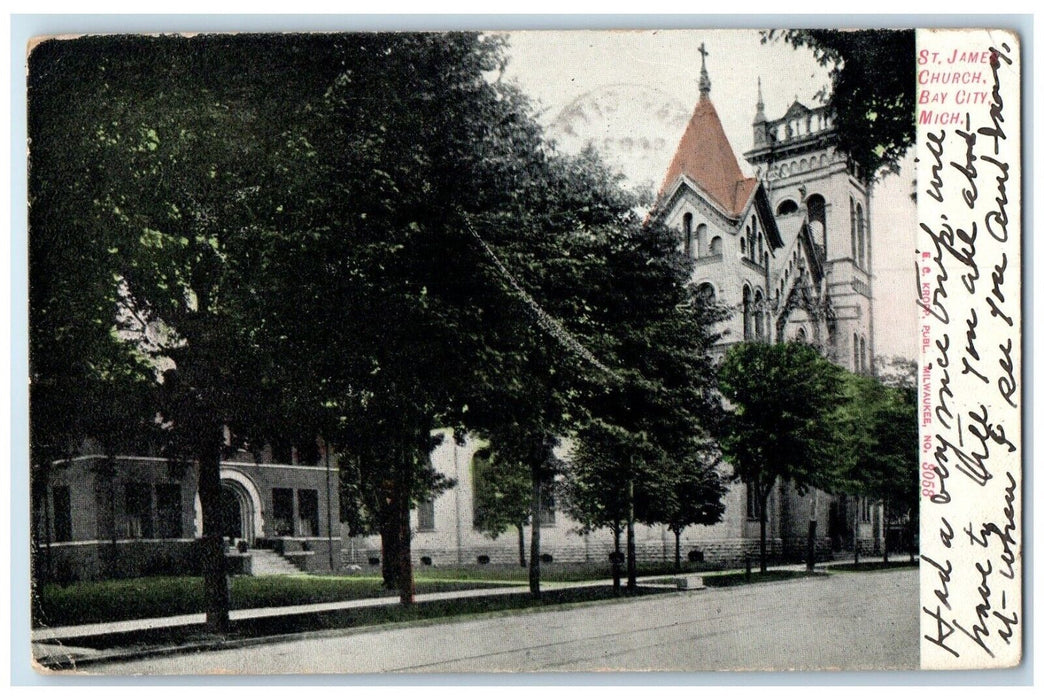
{"x": 59, "y": 643}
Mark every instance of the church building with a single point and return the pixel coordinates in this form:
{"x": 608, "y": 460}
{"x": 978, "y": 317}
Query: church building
{"x": 788, "y": 248}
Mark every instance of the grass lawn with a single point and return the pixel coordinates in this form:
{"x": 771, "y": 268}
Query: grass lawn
{"x": 130, "y": 599}
{"x": 562, "y": 573}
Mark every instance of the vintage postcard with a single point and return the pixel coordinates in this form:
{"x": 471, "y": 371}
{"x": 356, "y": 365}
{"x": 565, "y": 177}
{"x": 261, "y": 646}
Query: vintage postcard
{"x": 680, "y": 350}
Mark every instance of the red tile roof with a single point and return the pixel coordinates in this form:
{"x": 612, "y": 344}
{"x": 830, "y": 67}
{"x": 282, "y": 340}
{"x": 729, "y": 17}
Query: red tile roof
{"x": 706, "y": 157}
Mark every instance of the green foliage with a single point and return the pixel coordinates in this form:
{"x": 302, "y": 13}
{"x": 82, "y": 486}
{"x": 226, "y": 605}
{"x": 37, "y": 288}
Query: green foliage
{"x": 881, "y": 422}
{"x": 782, "y": 422}
{"x": 873, "y": 90}
{"x": 502, "y": 493}
{"x": 647, "y": 439}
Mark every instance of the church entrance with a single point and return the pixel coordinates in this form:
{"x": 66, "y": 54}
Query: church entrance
{"x": 235, "y": 511}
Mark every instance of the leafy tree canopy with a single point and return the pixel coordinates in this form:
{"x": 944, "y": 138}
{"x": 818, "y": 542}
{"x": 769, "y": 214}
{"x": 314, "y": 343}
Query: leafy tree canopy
{"x": 872, "y": 91}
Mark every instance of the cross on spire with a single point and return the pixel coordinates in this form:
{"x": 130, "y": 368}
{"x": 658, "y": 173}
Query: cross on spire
{"x": 704, "y": 78}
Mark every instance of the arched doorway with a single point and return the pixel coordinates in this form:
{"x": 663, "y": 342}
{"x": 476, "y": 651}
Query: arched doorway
{"x": 241, "y": 515}
{"x": 232, "y": 512}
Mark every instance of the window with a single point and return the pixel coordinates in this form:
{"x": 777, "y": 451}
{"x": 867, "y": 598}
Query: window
{"x": 168, "y": 510}
{"x": 308, "y": 512}
{"x": 852, "y": 221}
{"x": 715, "y": 245}
{"x": 426, "y": 516}
{"x": 759, "y": 317}
{"x": 705, "y": 292}
{"x": 864, "y": 509}
{"x": 861, "y": 236}
{"x": 138, "y": 506}
{"x": 62, "y": 501}
{"x": 817, "y": 218}
{"x": 547, "y": 505}
{"x": 701, "y": 241}
{"x": 687, "y": 235}
{"x": 862, "y": 355}
{"x": 801, "y": 337}
{"x": 283, "y": 512}
{"x": 855, "y": 352}
{"x": 787, "y": 206}
{"x": 753, "y": 505}
{"x": 748, "y": 328}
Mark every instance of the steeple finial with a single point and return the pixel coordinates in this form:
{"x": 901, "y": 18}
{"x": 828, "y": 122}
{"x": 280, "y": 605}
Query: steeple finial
{"x": 760, "y": 116}
{"x": 705, "y": 84}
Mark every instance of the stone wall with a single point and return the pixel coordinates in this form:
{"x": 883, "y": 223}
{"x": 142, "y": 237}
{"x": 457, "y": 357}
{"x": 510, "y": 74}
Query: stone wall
{"x": 729, "y": 553}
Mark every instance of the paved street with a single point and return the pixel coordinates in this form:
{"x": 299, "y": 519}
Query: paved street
{"x": 849, "y": 621}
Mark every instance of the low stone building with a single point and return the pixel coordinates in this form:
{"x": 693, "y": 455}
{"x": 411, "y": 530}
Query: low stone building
{"x": 135, "y": 516}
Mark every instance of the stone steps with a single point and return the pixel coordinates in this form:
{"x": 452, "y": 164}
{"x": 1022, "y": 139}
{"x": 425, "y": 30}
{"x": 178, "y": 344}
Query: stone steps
{"x": 265, "y": 562}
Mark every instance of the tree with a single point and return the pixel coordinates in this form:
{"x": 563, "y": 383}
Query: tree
{"x": 781, "y": 422}
{"x": 690, "y": 494}
{"x": 171, "y": 144}
{"x": 426, "y": 166}
{"x": 655, "y": 412}
{"x": 881, "y": 422}
{"x": 872, "y": 93}
{"x": 502, "y": 497}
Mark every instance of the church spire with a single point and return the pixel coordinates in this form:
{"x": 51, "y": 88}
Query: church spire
{"x": 759, "y": 118}
{"x": 705, "y": 84}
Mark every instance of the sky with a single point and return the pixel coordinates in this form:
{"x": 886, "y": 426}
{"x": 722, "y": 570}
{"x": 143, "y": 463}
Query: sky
{"x": 622, "y": 75}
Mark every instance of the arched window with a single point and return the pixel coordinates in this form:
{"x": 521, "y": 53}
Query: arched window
{"x": 687, "y": 247}
{"x": 761, "y": 245}
{"x": 715, "y": 245}
{"x": 817, "y": 218}
{"x": 852, "y": 220}
{"x": 743, "y": 245}
{"x": 862, "y": 355}
{"x": 800, "y": 336}
{"x": 759, "y": 317}
{"x": 855, "y": 352}
{"x": 701, "y": 240}
{"x": 705, "y": 292}
{"x": 787, "y": 206}
{"x": 748, "y": 326}
{"x": 861, "y": 235}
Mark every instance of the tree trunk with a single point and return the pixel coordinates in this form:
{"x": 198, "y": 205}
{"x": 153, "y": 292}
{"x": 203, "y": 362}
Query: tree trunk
{"x": 616, "y": 558}
{"x": 762, "y": 521}
{"x": 521, "y": 527}
{"x": 534, "y": 540}
{"x": 114, "y": 557}
{"x": 855, "y": 531}
{"x": 632, "y": 564}
{"x": 389, "y": 528}
{"x": 48, "y": 562}
{"x": 677, "y": 551}
{"x": 405, "y": 573}
{"x": 884, "y": 530}
{"x": 810, "y": 564}
{"x": 216, "y": 583}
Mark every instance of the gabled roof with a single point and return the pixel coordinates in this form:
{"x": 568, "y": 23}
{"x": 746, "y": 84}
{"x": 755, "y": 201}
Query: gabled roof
{"x": 705, "y": 156}
{"x": 796, "y": 110}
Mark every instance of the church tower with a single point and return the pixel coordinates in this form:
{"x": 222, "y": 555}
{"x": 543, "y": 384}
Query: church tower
{"x": 807, "y": 177}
